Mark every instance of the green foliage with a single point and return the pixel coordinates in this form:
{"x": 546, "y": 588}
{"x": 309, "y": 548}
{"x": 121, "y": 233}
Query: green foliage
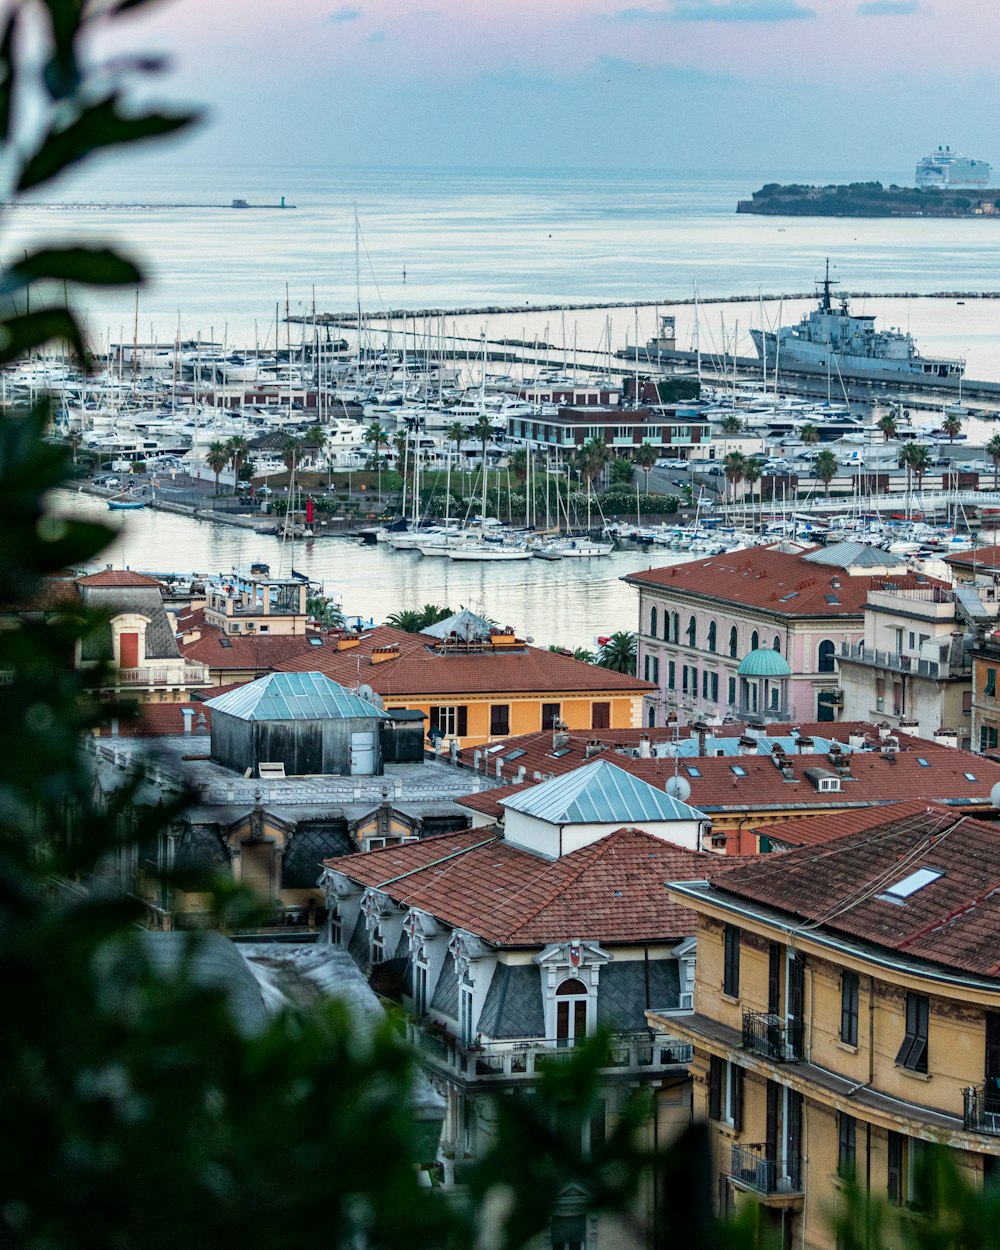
{"x": 619, "y": 653}
{"x": 622, "y": 469}
{"x": 413, "y": 620}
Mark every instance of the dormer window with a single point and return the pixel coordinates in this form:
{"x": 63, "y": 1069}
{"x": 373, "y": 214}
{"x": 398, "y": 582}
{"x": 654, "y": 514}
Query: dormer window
{"x": 572, "y": 1000}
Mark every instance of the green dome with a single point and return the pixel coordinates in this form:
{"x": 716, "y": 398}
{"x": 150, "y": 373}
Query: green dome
{"x": 764, "y": 662}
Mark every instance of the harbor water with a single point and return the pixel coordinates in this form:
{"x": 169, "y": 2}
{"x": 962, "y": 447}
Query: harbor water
{"x": 560, "y": 603}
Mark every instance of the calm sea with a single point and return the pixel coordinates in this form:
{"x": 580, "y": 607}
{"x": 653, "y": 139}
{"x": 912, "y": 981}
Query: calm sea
{"x": 517, "y": 239}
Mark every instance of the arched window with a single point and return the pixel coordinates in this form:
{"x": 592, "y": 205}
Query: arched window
{"x": 711, "y": 635}
{"x": 776, "y": 645}
{"x": 825, "y": 658}
{"x": 651, "y": 717}
{"x": 666, "y": 626}
{"x": 754, "y": 641}
{"x": 571, "y": 1012}
{"x": 675, "y": 625}
{"x": 652, "y": 621}
{"x": 733, "y": 642}
{"x": 692, "y": 630}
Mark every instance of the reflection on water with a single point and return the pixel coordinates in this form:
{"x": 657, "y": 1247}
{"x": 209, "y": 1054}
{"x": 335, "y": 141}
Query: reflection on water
{"x": 569, "y": 602}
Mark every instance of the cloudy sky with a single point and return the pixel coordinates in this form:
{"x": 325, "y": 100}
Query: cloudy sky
{"x": 862, "y": 86}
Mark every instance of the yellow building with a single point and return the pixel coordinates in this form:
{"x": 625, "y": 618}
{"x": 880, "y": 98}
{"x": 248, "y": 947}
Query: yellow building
{"x": 986, "y": 695}
{"x": 847, "y": 1014}
{"x": 474, "y": 682}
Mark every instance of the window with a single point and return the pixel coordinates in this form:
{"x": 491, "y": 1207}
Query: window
{"x": 652, "y": 621}
{"x": 731, "y": 962}
{"x": 654, "y": 670}
{"x": 336, "y": 927}
{"x": 991, "y": 682}
{"x": 645, "y": 666}
{"x": 550, "y": 714}
{"x": 988, "y": 738}
{"x": 725, "y": 1092}
{"x": 776, "y": 644}
{"x": 913, "y": 1052}
{"x": 731, "y": 693}
{"x": 713, "y": 689}
{"x": 499, "y": 720}
{"x": 712, "y": 634}
{"x": 733, "y": 642}
{"x": 675, "y": 626}
{"x": 450, "y": 722}
{"x": 849, "y": 986}
{"x": 376, "y": 946}
{"x": 896, "y": 1151}
{"x": 568, "y": 1232}
{"x": 571, "y": 1012}
{"x": 754, "y": 641}
{"x": 600, "y": 715}
{"x": 825, "y": 662}
{"x": 466, "y": 1017}
{"x": 847, "y": 1134}
{"x": 420, "y": 974}
{"x": 705, "y": 683}
{"x": 692, "y": 632}
{"x": 671, "y": 674}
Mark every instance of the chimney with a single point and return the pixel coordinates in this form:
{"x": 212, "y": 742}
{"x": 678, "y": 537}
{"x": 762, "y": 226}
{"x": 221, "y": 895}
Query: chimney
{"x": 856, "y": 741}
{"x": 560, "y": 739}
{"x": 755, "y": 728}
{"x": 644, "y": 747}
{"x": 188, "y": 714}
{"x": 883, "y": 730}
{"x": 520, "y": 775}
{"x": 804, "y": 746}
{"x": 476, "y": 758}
{"x": 701, "y": 729}
{"x": 747, "y": 745}
{"x": 787, "y": 771}
{"x": 946, "y": 737}
{"x": 593, "y": 747}
{"x": 379, "y": 655}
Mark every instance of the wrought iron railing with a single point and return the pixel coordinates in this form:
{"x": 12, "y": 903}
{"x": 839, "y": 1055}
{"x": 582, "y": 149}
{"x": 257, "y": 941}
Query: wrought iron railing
{"x": 771, "y": 1036}
{"x": 751, "y": 1168}
{"x": 982, "y": 1108}
{"x": 637, "y": 1052}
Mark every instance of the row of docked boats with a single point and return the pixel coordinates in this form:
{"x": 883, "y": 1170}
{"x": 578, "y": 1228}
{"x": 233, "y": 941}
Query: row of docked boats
{"x": 491, "y": 542}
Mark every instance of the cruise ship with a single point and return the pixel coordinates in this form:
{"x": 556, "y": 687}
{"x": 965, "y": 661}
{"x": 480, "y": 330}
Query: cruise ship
{"x": 831, "y": 340}
{"x": 945, "y": 168}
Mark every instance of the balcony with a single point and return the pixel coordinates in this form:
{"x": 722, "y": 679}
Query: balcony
{"x": 188, "y": 676}
{"x": 751, "y": 1169}
{"x": 637, "y": 1054}
{"x": 897, "y": 662}
{"x": 772, "y": 1037}
{"x": 982, "y": 1108}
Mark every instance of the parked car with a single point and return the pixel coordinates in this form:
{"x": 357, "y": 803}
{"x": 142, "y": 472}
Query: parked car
{"x": 679, "y": 463}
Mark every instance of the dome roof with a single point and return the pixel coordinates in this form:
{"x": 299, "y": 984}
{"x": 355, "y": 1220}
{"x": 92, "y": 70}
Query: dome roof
{"x": 764, "y": 662}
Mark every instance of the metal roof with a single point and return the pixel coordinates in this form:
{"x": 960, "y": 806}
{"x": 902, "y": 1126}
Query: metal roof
{"x": 294, "y": 696}
{"x": 764, "y": 662}
{"x": 850, "y": 555}
{"x": 464, "y": 625}
{"x": 600, "y": 793}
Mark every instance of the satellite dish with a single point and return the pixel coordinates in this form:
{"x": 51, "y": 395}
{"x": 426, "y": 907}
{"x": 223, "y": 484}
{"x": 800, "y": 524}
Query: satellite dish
{"x": 367, "y": 693}
{"x": 680, "y": 788}
{"x": 995, "y": 795}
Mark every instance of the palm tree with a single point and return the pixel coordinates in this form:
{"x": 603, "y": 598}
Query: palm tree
{"x": 825, "y": 469}
{"x": 751, "y": 474}
{"x": 431, "y": 613}
{"x": 239, "y": 452}
{"x": 952, "y": 425}
{"x": 618, "y": 653}
{"x": 407, "y": 619}
{"x": 645, "y": 458}
{"x": 217, "y": 457}
{"x": 731, "y": 424}
{"x": 290, "y": 450}
{"x": 377, "y": 437}
{"x": 993, "y": 451}
{"x": 518, "y": 464}
{"x": 734, "y": 466}
{"x": 917, "y": 460}
{"x": 809, "y": 434}
{"x": 483, "y": 430}
{"x": 889, "y": 426}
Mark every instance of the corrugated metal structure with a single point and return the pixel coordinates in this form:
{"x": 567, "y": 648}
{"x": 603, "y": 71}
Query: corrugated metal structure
{"x": 598, "y": 794}
{"x": 303, "y": 721}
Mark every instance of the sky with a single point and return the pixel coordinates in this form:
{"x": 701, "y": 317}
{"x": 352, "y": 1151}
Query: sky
{"x": 863, "y": 86}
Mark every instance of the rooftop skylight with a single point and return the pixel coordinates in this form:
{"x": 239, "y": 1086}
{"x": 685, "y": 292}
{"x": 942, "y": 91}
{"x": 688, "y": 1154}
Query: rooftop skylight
{"x": 910, "y": 884}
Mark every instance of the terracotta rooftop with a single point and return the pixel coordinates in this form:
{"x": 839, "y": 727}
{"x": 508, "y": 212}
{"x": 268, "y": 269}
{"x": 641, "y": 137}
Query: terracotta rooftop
{"x": 845, "y": 886}
{"x": 610, "y": 891}
{"x": 985, "y": 558}
{"x": 814, "y": 830}
{"x": 784, "y": 583}
{"x": 421, "y": 668}
{"x": 259, "y": 652}
{"x": 156, "y": 719}
{"x": 117, "y": 577}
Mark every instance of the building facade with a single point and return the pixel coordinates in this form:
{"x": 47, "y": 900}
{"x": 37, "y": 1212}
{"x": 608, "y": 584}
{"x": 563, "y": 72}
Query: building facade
{"x": 846, "y": 1016}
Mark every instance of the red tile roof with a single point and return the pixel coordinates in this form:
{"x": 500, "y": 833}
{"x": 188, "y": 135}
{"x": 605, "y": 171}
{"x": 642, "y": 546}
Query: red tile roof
{"x": 814, "y": 830}
{"x": 985, "y": 558}
{"x": 422, "y": 669}
{"x": 259, "y": 652}
{"x": 610, "y": 891}
{"x": 156, "y": 719}
{"x": 762, "y": 787}
{"x": 781, "y": 582}
{"x": 839, "y": 886}
{"x": 117, "y": 577}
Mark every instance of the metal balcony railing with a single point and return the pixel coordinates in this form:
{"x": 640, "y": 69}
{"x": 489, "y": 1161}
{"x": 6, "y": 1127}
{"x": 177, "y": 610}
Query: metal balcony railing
{"x": 750, "y": 1168}
{"x": 896, "y": 662}
{"x": 150, "y": 676}
{"x": 772, "y": 1037}
{"x": 639, "y": 1052}
{"x": 982, "y": 1108}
